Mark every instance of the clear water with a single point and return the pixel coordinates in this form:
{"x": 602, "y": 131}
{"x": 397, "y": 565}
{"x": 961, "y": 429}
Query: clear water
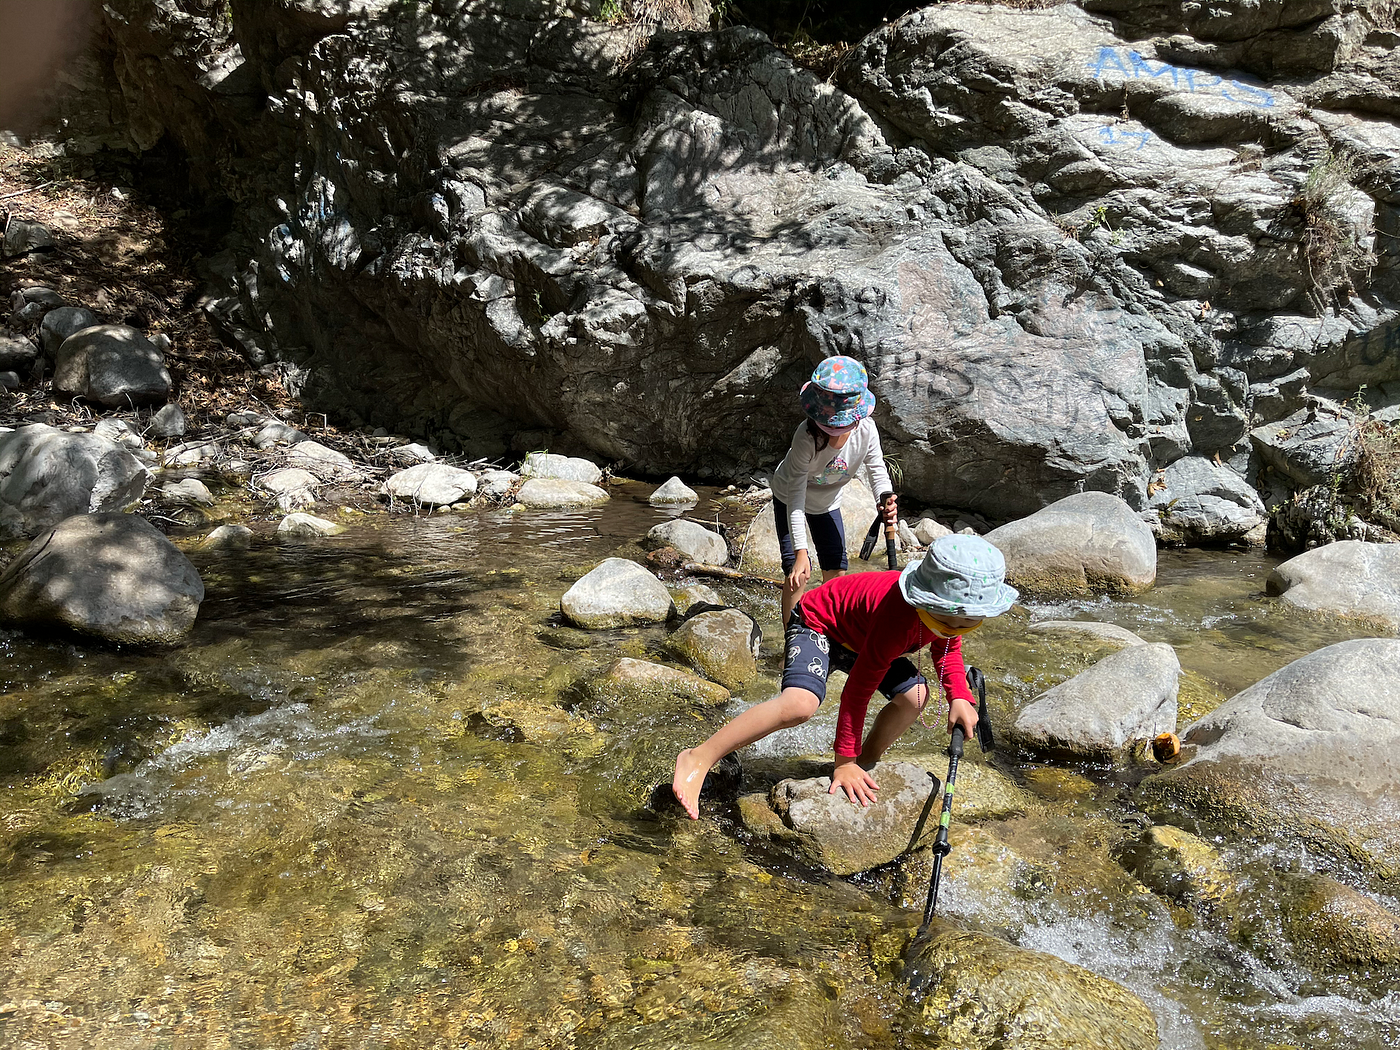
{"x": 373, "y": 803}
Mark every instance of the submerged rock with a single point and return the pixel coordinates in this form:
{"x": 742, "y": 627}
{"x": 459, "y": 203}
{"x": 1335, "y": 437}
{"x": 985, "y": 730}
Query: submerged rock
{"x": 1177, "y": 864}
{"x": 1127, "y": 696}
{"x": 1088, "y": 543}
{"x": 1307, "y": 753}
{"x": 617, "y": 593}
{"x": 112, "y": 577}
{"x": 229, "y": 537}
{"x": 981, "y": 993}
{"x": 1088, "y": 630}
{"x": 1347, "y": 578}
{"x": 642, "y": 678}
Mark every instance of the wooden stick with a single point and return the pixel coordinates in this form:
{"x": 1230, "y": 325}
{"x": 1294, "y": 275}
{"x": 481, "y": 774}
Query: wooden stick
{"x": 32, "y": 189}
{"x": 698, "y": 569}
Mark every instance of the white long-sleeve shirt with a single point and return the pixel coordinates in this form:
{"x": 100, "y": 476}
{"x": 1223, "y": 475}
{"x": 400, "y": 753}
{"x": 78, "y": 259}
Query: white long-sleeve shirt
{"x": 810, "y": 482}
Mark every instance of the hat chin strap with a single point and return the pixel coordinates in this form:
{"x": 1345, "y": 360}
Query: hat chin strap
{"x": 942, "y": 629}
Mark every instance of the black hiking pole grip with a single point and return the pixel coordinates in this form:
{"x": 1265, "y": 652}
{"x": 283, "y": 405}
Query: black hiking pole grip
{"x": 940, "y": 844}
{"x": 868, "y": 547}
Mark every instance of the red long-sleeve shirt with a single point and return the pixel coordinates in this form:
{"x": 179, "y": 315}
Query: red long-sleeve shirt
{"x": 866, "y": 613}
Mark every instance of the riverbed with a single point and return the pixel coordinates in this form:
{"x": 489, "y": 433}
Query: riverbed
{"x": 373, "y": 803}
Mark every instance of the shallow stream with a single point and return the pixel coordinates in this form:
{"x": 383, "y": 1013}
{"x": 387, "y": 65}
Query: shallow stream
{"x": 372, "y": 803}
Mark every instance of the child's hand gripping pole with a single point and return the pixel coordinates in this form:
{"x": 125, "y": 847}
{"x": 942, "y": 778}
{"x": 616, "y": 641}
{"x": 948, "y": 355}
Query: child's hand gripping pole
{"x": 868, "y": 547}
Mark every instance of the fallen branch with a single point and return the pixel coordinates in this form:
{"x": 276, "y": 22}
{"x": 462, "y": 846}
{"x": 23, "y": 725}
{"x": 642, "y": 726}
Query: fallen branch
{"x": 697, "y": 569}
{"x": 32, "y": 189}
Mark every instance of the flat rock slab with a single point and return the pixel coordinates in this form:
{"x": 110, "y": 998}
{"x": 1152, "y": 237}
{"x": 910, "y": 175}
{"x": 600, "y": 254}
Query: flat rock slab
{"x": 842, "y": 836}
{"x": 434, "y": 484}
{"x": 1348, "y": 578}
{"x": 1088, "y": 543}
{"x": 617, "y": 593}
{"x": 982, "y": 993}
{"x": 111, "y": 577}
{"x": 1310, "y": 751}
{"x": 559, "y": 494}
{"x": 1127, "y": 696}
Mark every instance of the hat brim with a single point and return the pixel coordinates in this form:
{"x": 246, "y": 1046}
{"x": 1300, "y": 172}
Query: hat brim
{"x": 1004, "y": 598}
{"x": 818, "y": 412}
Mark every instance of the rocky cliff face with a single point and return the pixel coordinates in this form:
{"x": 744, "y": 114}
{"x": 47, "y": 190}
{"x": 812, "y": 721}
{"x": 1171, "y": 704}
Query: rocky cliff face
{"x": 1073, "y": 245}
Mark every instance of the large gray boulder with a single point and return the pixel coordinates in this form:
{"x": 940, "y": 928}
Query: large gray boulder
{"x": 692, "y": 539}
{"x": 722, "y": 644}
{"x": 1089, "y": 543}
{"x": 435, "y": 484}
{"x": 47, "y": 475}
{"x": 1127, "y": 696}
{"x": 841, "y": 836}
{"x": 58, "y": 324}
{"x": 1348, "y": 578}
{"x": 1308, "y": 753}
{"x": 1200, "y": 501}
{"x": 564, "y": 468}
{"x": 617, "y": 593}
{"x": 112, "y": 364}
{"x": 559, "y": 494}
{"x": 110, "y": 577}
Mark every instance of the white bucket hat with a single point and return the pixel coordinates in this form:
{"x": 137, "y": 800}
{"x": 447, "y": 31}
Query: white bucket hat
{"x": 959, "y": 576}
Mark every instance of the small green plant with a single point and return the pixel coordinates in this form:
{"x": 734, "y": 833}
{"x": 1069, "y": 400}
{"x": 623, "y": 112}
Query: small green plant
{"x": 611, "y": 11}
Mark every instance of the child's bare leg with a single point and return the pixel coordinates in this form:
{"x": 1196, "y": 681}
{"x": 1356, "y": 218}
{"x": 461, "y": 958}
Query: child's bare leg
{"x": 790, "y": 596}
{"x": 831, "y": 574}
{"x": 894, "y": 718}
{"x": 789, "y": 708}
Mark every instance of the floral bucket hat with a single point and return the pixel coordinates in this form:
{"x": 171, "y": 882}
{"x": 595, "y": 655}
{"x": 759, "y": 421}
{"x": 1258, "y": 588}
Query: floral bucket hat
{"x": 838, "y": 395}
{"x": 959, "y": 576}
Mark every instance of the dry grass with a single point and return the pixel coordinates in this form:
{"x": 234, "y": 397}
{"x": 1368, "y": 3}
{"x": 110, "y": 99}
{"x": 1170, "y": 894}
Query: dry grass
{"x": 1376, "y": 479}
{"x": 126, "y": 261}
{"x": 1331, "y": 251}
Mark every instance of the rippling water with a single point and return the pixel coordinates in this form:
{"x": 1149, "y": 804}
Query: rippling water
{"x": 372, "y": 803}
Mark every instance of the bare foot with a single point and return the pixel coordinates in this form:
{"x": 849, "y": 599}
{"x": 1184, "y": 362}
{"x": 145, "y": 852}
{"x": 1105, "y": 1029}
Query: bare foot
{"x": 689, "y": 779}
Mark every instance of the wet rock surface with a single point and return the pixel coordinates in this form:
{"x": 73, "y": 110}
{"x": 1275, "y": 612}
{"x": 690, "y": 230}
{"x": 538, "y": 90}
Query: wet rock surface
{"x": 1346, "y": 578}
{"x": 615, "y": 593}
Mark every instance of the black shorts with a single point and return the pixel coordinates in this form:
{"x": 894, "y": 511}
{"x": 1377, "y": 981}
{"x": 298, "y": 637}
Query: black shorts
{"x": 827, "y": 534}
{"x": 811, "y": 656}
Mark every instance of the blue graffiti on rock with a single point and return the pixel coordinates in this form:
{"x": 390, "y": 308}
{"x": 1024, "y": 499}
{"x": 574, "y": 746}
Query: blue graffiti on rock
{"x": 1132, "y": 66}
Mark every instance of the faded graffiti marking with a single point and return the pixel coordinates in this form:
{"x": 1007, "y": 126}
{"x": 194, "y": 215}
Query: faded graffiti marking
{"x": 1112, "y": 61}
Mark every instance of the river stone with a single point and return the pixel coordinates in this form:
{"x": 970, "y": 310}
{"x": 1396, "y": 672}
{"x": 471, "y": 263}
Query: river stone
{"x": 47, "y": 475}
{"x": 1349, "y": 578}
{"x": 323, "y": 462}
{"x": 642, "y": 679}
{"x": 559, "y": 494}
{"x": 986, "y": 994}
{"x": 983, "y": 791}
{"x": 436, "y": 484}
{"x": 1200, "y": 501}
{"x": 494, "y": 484}
{"x": 673, "y": 492}
{"x": 112, "y": 364}
{"x": 118, "y": 430}
{"x": 617, "y": 593}
{"x": 926, "y": 530}
{"x": 562, "y": 468}
{"x": 60, "y": 323}
{"x": 1307, "y": 753}
{"x": 1088, "y": 543}
{"x": 1091, "y": 630}
{"x": 112, "y": 577}
{"x": 761, "y": 554}
{"x": 694, "y": 594}
{"x": 274, "y": 432}
{"x": 413, "y": 452}
{"x": 169, "y": 422}
{"x": 692, "y": 539}
{"x": 722, "y": 644}
{"x": 229, "y": 537}
{"x": 846, "y": 838}
{"x": 1127, "y": 696}
{"x": 1334, "y": 927}
{"x": 16, "y": 352}
{"x": 189, "y": 453}
{"x": 1177, "y": 864}
{"x": 189, "y": 490}
{"x": 306, "y": 526}
{"x": 294, "y": 488}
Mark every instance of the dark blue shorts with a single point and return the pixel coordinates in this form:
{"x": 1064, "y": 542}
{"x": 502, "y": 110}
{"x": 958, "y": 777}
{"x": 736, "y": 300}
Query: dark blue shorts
{"x": 826, "y": 532}
{"x": 812, "y": 656}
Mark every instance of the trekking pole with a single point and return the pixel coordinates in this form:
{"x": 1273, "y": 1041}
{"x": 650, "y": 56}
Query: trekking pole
{"x": 868, "y": 547}
{"x": 955, "y": 749}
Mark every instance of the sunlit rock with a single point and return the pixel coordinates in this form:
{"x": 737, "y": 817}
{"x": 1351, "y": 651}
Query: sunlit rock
{"x": 618, "y": 593}
{"x": 1348, "y": 578}
{"x": 1200, "y": 501}
{"x": 1086, "y": 630}
{"x": 306, "y": 526}
{"x": 189, "y": 453}
{"x": 1088, "y": 543}
{"x": 112, "y": 577}
{"x": 1333, "y": 927}
{"x": 229, "y": 537}
{"x": 559, "y": 493}
{"x": 112, "y": 364}
{"x": 324, "y": 462}
{"x": 273, "y": 432}
{"x": 563, "y": 468}
{"x": 60, "y": 323}
{"x": 692, "y": 539}
{"x": 722, "y": 644}
{"x": 1129, "y": 695}
{"x": 188, "y": 490}
{"x": 673, "y": 492}
{"x": 169, "y": 422}
{"x": 47, "y": 475}
{"x": 436, "y": 484}
{"x": 694, "y": 594}
{"x": 495, "y": 484}
{"x": 980, "y": 993}
{"x": 1305, "y": 755}
{"x": 293, "y": 487}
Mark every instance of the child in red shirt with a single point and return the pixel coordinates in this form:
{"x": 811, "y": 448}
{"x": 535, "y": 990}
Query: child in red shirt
{"x": 868, "y": 625}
